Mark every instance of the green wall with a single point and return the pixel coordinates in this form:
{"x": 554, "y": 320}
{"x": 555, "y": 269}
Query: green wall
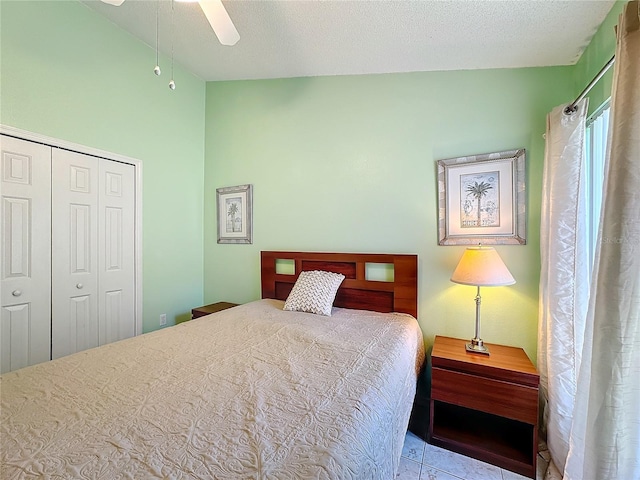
{"x": 337, "y": 163}
{"x": 349, "y": 164}
{"x": 68, "y": 73}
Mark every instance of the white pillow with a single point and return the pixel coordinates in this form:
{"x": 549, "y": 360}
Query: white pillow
{"x": 314, "y": 292}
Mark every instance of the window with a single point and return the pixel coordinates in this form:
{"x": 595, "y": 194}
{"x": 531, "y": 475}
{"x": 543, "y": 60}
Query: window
{"x": 595, "y": 150}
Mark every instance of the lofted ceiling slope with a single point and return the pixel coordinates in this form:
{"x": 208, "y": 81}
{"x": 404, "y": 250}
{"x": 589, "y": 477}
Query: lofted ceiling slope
{"x": 301, "y": 38}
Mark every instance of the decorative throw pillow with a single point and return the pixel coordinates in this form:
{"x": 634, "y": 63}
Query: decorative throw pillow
{"x": 314, "y": 292}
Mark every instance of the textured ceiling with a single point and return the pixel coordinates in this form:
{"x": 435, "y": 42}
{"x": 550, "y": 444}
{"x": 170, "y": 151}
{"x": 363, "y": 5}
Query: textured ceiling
{"x": 295, "y": 38}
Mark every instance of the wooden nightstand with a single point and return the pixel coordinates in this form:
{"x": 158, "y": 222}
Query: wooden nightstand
{"x": 483, "y": 406}
{"x": 213, "y": 308}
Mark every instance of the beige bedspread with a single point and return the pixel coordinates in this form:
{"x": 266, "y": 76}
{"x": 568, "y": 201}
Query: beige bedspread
{"x": 251, "y": 392}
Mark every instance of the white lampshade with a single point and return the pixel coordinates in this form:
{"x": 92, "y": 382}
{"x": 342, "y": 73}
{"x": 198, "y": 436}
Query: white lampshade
{"x": 482, "y": 266}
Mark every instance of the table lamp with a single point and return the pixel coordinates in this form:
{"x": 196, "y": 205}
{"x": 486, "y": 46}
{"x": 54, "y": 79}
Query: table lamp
{"x": 481, "y": 267}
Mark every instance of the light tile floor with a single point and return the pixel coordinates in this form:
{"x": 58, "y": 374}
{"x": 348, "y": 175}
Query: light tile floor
{"x": 422, "y": 461}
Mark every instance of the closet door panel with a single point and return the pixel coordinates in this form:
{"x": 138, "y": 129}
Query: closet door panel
{"x": 116, "y": 246}
{"x": 15, "y": 332}
{"x": 74, "y": 216}
{"x": 81, "y": 323}
{"x": 25, "y": 233}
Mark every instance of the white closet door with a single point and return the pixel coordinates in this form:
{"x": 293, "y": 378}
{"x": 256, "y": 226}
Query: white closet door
{"x": 25, "y": 232}
{"x": 74, "y": 215}
{"x": 116, "y": 226}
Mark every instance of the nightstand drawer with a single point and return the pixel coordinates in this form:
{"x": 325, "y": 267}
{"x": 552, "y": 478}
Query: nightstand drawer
{"x": 505, "y": 399}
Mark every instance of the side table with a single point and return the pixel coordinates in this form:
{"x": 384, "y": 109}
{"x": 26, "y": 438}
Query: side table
{"x": 213, "y": 308}
{"x": 485, "y": 406}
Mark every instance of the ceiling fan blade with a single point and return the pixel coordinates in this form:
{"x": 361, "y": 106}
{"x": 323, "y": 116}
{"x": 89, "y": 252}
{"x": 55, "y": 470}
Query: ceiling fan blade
{"x": 220, "y": 21}
{"x": 115, "y": 3}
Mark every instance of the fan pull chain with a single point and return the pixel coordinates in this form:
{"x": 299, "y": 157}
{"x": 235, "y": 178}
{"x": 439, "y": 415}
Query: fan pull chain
{"x": 172, "y": 84}
{"x": 157, "y": 70}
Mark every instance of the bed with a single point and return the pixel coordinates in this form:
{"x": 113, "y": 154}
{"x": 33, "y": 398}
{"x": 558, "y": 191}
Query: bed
{"x": 251, "y": 392}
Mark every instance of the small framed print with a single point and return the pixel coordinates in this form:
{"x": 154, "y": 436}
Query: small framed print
{"x": 235, "y": 215}
{"x": 481, "y": 199}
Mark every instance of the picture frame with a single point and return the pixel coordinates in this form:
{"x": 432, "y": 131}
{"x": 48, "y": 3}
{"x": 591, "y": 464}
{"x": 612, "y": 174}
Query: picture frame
{"x": 482, "y": 199}
{"x": 235, "y": 214}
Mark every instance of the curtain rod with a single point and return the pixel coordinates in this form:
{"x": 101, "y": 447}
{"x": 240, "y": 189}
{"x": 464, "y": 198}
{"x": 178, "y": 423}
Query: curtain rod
{"x": 572, "y": 107}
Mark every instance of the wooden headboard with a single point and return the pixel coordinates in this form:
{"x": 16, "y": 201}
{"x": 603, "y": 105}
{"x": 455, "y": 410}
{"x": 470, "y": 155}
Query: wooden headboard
{"x": 399, "y": 295}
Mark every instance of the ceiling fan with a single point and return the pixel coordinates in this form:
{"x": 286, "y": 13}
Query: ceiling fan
{"x": 217, "y": 15}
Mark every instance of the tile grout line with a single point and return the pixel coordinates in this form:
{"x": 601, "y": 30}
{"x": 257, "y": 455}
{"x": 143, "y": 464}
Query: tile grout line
{"x": 443, "y": 471}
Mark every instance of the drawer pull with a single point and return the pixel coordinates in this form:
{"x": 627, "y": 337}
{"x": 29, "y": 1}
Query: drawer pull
{"x": 79, "y": 286}
{"x": 16, "y": 293}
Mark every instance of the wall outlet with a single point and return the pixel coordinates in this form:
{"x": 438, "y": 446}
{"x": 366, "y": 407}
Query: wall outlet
{"x": 163, "y": 319}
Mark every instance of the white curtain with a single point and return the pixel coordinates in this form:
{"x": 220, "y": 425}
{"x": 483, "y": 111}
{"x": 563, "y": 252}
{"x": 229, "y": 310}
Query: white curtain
{"x": 605, "y": 436}
{"x": 564, "y": 285}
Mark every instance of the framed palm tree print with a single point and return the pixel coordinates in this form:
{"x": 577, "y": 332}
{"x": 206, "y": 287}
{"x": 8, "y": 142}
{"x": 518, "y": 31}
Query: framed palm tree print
{"x": 235, "y": 216}
{"x": 481, "y": 199}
